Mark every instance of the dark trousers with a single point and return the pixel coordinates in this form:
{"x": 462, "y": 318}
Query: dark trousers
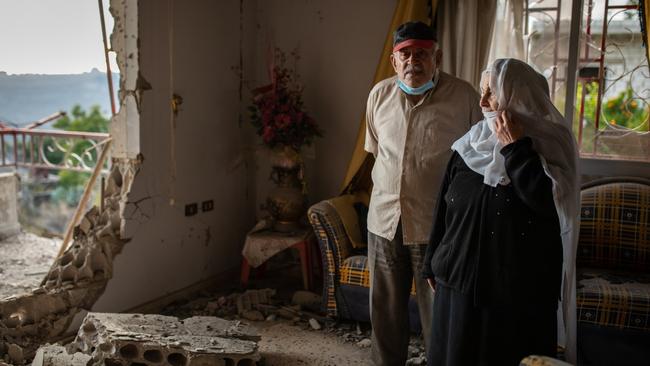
{"x": 464, "y": 334}
{"x": 393, "y": 266}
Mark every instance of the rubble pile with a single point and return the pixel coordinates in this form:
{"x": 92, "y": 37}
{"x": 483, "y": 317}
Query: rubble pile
{"x": 302, "y": 311}
{"x": 74, "y": 282}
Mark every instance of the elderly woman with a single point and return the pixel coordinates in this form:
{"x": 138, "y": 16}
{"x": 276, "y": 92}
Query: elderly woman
{"x": 503, "y": 226}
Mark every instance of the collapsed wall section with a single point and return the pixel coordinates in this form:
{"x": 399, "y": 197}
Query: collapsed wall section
{"x": 74, "y": 282}
{"x": 79, "y": 276}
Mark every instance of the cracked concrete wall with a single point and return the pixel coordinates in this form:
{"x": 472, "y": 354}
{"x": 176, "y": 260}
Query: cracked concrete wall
{"x": 340, "y": 43}
{"x": 75, "y": 280}
{"x": 186, "y": 50}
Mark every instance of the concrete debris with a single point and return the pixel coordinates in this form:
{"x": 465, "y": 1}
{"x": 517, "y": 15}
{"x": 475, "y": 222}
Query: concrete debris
{"x": 364, "y": 343}
{"x": 211, "y": 325}
{"x": 254, "y": 315}
{"x": 74, "y": 282}
{"x": 15, "y": 353}
{"x": 315, "y": 325}
{"x": 271, "y": 318}
{"x": 307, "y": 300}
{"x": 250, "y": 299}
{"x": 55, "y": 355}
{"x": 416, "y": 361}
{"x": 137, "y": 339}
{"x": 416, "y": 353}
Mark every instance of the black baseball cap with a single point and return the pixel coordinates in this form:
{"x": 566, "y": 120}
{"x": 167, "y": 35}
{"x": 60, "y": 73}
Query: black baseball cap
{"x": 413, "y": 34}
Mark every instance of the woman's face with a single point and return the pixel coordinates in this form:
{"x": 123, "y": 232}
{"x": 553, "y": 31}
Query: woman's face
{"x": 488, "y": 101}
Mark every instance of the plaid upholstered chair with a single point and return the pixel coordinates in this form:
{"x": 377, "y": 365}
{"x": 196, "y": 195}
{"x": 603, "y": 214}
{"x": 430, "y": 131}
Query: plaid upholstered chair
{"x": 346, "y": 286}
{"x": 613, "y": 261}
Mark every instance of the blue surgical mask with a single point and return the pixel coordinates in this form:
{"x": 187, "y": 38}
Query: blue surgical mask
{"x": 415, "y": 91}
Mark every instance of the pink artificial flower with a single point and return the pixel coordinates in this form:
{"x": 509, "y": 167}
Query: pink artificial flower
{"x": 268, "y": 134}
{"x": 282, "y": 120}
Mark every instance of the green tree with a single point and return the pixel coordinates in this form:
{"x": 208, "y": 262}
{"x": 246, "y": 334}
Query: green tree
{"x": 622, "y": 110}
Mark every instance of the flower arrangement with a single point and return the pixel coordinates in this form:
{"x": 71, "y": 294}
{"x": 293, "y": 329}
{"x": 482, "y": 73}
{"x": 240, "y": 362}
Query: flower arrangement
{"x": 277, "y": 111}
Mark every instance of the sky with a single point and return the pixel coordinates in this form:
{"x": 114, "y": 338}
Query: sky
{"x": 52, "y": 36}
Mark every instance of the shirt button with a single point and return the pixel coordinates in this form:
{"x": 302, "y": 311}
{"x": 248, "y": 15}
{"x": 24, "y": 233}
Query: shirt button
{"x": 507, "y": 199}
{"x": 492, "y": 233}
{"x": 498, "y": 213}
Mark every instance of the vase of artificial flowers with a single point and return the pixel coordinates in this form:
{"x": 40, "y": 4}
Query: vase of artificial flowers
{"x": 278, "y": 115}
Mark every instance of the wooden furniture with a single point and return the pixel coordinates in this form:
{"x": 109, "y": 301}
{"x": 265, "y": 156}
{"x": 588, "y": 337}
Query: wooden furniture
{"x": 263, "y": 244}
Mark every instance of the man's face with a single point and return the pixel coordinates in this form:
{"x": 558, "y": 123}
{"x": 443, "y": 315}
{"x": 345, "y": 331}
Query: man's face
{"x": 415, "y": 65}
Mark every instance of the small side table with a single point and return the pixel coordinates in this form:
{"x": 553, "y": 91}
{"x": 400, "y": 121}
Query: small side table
{"x": 262, "y": 244}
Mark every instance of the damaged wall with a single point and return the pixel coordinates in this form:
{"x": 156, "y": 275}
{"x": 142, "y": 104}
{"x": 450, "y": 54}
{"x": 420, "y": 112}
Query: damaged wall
{"x": 75, "y": 280}
{"x": 178, "y": 141}
{"x": 186, "y": 50}
{"x": 201, "y": 153}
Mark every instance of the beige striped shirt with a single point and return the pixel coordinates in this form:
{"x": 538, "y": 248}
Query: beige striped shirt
{"x": 411, "y": 145}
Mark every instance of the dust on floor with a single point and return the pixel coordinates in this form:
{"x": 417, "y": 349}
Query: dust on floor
{"x": 24, "y": 260}
{"x": 284, "y": 344}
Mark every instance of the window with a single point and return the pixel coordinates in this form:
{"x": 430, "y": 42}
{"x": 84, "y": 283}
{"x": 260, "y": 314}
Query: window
{"x": 611, "y": 105}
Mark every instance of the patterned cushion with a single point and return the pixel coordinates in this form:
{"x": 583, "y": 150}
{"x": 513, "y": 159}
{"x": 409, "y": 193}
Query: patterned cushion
{"x": 614, "y": 299}
{"x": 614, "y": 226}
{"x": 355, "y": 271}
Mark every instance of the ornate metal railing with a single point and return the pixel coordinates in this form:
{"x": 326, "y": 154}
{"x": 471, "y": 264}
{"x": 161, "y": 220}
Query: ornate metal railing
{"x": 612, "y": 97}
{"x": 51, "y": 149}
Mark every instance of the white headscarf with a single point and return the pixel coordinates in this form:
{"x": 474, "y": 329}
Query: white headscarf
{"x": 524, "y": 94}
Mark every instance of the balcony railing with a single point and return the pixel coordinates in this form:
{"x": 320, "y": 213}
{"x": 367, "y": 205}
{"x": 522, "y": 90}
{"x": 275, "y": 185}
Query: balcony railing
{"x": 51, "y": 149}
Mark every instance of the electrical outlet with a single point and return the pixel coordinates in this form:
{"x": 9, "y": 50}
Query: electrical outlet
{"x": 191, "y": 209}
{"x": 207, "y": 205}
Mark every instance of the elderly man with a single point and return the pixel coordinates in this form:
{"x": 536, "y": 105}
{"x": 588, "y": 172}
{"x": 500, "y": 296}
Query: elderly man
{"x": 412, "y": 120}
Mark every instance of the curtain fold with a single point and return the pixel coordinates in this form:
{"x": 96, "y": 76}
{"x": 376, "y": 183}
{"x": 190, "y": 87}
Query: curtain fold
{"x": 357, "y": 176}
{"x": 645, "y": 21}
{"x": 508, "y": 35}
{"x": 465, "y": 32}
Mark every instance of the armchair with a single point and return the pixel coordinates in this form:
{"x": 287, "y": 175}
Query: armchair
{"x": 346, "y": 285}
{"x": 613, "y": 273}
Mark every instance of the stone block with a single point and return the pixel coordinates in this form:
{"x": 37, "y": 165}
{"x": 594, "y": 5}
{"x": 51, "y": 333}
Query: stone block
{"x": 55, "y": 355}
{"x": 138, "y": 339}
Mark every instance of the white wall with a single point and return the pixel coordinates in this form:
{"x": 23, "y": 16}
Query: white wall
{"x": 214, "y": 158}
{"x": 340, "y": 43}
{"x": 169, "y": 251}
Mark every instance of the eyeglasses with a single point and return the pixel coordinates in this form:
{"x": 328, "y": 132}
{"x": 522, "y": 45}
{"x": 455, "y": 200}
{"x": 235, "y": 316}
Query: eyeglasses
{"x": 417, "y": 54}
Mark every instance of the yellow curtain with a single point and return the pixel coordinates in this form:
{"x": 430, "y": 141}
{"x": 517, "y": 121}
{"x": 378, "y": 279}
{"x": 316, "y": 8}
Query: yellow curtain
{"x": 358, "y": 173}
{"x": 646, "y": 18}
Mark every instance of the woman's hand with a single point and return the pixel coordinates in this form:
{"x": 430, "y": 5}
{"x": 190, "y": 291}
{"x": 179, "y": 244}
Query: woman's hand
{"x": 432, "y": 284}
{"x": 507, "y": 129}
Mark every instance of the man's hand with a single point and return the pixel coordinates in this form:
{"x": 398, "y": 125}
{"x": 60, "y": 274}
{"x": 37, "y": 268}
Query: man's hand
{"x": 432, "y": 284}
{"x": 507, "y": 129}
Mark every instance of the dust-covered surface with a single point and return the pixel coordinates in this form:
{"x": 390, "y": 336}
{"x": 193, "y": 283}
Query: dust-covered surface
{"x": 287, "y": 345}
{"x": 293, "y": 331}
{"x": 24, "y": 261}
